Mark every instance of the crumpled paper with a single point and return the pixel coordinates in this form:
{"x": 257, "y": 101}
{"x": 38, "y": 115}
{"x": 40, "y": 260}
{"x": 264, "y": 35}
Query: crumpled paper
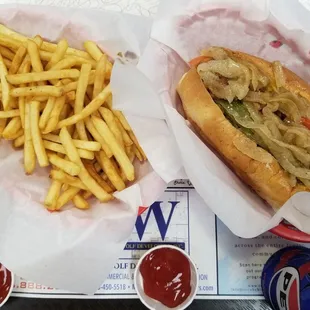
{"x": 72, "y": 250}
{"x": 270, "y": 29}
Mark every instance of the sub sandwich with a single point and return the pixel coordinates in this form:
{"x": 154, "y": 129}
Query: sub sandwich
{"x": 256, "y": 115}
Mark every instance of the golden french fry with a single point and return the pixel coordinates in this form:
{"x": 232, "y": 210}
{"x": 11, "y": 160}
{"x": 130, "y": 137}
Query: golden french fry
{"x": 65, "y": 112}
{"x": 22, "y": 100}
{"x": 80, "y": 202}
{"x": 47, "y": 112}
{"x": 18, "y": 142}
{"x": 115, "y": 147}
{"x": 7, "y": 62}
{"x": 45, "y": 90}
{"x": 65, "y": 165}
{"x": 126, "y": 138}
{"x": 12, "y": 127}
{"x": 52, "y": 146}
{"x": 96, "y": 135}
{"x": 18, "y": 59}
{"x": 73, "y": 155}
{"x": 6, "y": 52}
{"x": 52, "y": 195}
{"x": 138, "y": 154}
{"x": 29, "y": 154}
{"x": 81, "y": 61}
{"x": 93, "y": 173}
{"x": 67, "y": 179}
{"x": 108, "y": 117}
{"x": 43, "y": 76}
{"x": 110, "y": 171}
{"x": 33, "y": 53}
{"x": 51, "y": 47}
{"x": 86, "y": 145}
{"x": 5, "y": 87}
{"x": 93, "y": 50}
{"x": 36, "y": 134}
{"x": 65, "y": 63}
{"x": 79, "y": 99}
{"x": 54, "y": 116}
{"x": 93, "y": 106}
{"x": 100, "y": 75}
{"x": 66, "y": 196}
{"x": 9, "y": 42}
{"x": 72, "y": 86}
{"x": 122, "y": 119}
{"x": 59, "y": 53}
{"x": 135, "y": 141}
{"x": 9, "y": 114}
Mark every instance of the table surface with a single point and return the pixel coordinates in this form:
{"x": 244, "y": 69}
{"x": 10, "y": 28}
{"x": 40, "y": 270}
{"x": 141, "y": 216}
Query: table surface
{"x": 61, "y": 304}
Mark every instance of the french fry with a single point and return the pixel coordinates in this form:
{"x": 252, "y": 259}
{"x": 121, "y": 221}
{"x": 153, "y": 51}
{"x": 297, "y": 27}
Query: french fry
{"x": 108, "y": 117}
{"x": 96, "y": 135}
{"x": 81, "y": 61}
{"x": 135, "y": 141}
{"x": 46, "y": 90}
{"x": 138, "y": 154}
{"x": 33, "y": 53}
{"x": 15, "y": 135}
{"x": 9, "y": 42}
{"x": 93, "y": 173}
{"x": 22, "y": 100}
{"x": 93, "y": 50}
{"x": 6, "y": 52}
{"x": 5, "y": 87}
{"x": 42, "y": 76}
{"x": 7, "y": 62}
{"x": 126, "y": 138}
{"x": 80, "y": 202}
{"x": 72, "y": 86}
{"x": 9, "y": 114}
{"x": 67, "y": 179}
{"x": 73, "y": 155}
{"x": 65, "y": 165}
{"x": 122, "y": 119}
{"x": 47, "y": 112}
{"x": 29, "y": 154}
{"x": 12, "y": 127}
{"x": 52, "y": 195}
{"x": 110, "y": 171}
{"x": 36, "y": 134}
{"x": 18, "y": 142}
{"x": 18, "y": 59}
{"x": 54, "y": 116}
{"x": 59, "y": 54}
{"x": 99, "y": 75}
{"x": 79, "y": 99}
{"x": 81, "y": 144}
{"x": 66, "y": 196}
{"x": 115, "y": 147}
{"x": 65, "y": 63}
{"x": 52, "y": 146}
{"x": 93, "y": 106}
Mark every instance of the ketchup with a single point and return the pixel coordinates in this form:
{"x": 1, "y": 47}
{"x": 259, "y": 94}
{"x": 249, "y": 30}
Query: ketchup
{"x": 5, "y": 283}
{"x": 166, "y": 276}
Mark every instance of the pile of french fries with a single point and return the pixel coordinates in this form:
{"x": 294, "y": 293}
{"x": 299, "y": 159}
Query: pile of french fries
{"x": 56, "y": 103}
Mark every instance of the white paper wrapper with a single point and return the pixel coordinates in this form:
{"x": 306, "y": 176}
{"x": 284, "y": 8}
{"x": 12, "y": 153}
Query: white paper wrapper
{"x": 182, "y": 29}
{"x": 72, "y": 250}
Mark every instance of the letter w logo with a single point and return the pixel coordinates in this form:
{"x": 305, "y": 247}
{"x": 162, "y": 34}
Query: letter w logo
{"x": 159, "y": 217}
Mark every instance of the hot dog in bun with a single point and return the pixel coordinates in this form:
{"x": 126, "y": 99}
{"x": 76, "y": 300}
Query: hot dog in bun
{"x": 256, "y": 114}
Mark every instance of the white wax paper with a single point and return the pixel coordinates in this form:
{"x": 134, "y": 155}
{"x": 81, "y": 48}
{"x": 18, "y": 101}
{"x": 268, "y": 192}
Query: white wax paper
{"x": 260, "y": 28}
{"x": 72, "y": 250}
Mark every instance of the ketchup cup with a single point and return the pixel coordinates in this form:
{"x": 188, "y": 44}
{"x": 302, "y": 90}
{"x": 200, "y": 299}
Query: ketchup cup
{"x": 6, "y": 284}
{"x": 178, "y": 278}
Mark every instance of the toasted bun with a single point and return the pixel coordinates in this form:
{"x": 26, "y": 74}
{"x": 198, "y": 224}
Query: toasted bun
{"x": 270, "y": 181}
